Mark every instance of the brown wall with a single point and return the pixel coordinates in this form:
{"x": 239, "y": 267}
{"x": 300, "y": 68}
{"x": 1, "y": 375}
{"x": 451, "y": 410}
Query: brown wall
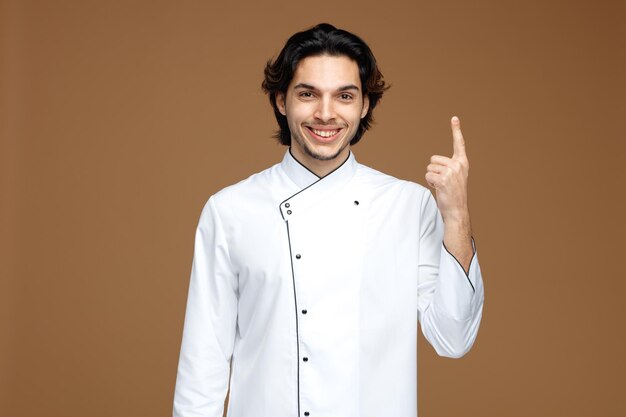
{"x": 119, "y": 119}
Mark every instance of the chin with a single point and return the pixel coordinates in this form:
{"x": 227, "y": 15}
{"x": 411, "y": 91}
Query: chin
{"x": 324, "y": 155}
{"x": 325, "y": 152}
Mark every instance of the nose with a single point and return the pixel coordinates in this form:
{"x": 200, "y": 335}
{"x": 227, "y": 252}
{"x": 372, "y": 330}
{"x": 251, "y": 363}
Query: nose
{"x": 325, "y": 109}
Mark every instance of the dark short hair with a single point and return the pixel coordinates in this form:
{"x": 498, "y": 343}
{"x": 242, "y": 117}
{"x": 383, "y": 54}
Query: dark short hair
{"x": 323, "y": 39}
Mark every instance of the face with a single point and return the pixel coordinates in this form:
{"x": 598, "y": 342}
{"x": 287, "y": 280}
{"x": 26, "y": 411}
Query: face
{"x": 324, "y": 105}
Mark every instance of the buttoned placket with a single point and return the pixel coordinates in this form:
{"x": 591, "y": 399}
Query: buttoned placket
{"x": 302, "y": 280}
{"x": 288, "y": 210}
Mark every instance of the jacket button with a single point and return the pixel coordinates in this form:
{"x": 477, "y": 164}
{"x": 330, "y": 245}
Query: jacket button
{"x": 306, "y": 413}
{"x": 304, "y": 311}
{"x": 287, "y": 205}
{"x": 298, "y": 256}
{"x": 305, "y": 359}
{"x": 288, "y": 211}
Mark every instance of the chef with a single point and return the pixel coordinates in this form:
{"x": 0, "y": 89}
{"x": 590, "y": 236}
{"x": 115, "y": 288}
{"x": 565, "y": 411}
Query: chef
{"x": 310, "y": 278}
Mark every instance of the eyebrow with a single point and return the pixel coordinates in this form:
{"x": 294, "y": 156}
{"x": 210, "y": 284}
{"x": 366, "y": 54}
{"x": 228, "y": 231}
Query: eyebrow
{"x": 310, "y": 87}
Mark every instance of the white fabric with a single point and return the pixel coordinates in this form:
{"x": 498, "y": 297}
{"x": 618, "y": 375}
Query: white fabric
{"x": 362, "y": 253}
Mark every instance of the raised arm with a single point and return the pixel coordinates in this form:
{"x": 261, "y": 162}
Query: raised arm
{"x": 450, "y": 288}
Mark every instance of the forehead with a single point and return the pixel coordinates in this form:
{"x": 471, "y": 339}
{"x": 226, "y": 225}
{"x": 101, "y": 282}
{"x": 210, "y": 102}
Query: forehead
{"x": 327, "y": 72}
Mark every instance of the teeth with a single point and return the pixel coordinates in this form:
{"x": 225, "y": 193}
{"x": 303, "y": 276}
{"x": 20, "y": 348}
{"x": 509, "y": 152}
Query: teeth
{"x": 325, "y": 133}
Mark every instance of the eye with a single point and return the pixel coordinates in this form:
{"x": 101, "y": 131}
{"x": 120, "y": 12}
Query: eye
{"x": 346, "y": 96}
{"x": 306, "y": 94}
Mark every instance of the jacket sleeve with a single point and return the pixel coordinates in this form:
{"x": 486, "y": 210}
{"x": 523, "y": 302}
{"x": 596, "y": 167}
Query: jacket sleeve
{"x": 450, "y": 301}
{"x": 210, "y": 323}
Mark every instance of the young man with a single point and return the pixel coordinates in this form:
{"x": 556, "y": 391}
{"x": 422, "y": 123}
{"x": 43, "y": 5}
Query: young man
{"x": 312, "y": 275}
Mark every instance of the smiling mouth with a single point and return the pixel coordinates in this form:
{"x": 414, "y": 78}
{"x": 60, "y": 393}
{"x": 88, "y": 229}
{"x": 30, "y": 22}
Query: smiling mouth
{"x": 324, "y": 135}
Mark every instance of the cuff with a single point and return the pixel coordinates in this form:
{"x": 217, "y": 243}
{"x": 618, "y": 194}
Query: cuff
{"x": 458, "y": 293}
{"x": 467, "y": 274}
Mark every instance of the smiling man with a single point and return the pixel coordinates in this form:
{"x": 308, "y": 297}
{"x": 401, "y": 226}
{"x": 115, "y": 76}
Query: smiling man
{"x": 310, "y": 278}
{"x": 324, "y": 106}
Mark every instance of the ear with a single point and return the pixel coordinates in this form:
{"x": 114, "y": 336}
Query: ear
{"x": 366, "y": 105}
{"x": 280, "y": 103}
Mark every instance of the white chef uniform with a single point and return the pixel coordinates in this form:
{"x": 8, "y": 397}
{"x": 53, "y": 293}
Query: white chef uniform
{"x": 314, "y": 287}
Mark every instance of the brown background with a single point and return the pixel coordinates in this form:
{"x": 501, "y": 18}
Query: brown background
{"x": 119, "y": 119}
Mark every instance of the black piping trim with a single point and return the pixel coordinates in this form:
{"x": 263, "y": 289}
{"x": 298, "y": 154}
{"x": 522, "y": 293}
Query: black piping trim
{"x": 303, "y": 166}
{"x": 309, "y": 186}
{"x": 457, "y": 261}
{"x": 295, "y": 300}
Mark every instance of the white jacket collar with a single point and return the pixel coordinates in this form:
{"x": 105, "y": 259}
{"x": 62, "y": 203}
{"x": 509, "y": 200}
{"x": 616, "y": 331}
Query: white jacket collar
{"x": 312, "y": 187}
{"x": 304, "y": 177}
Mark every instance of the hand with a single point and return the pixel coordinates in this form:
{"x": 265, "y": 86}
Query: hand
{"x": 448, "y": 176}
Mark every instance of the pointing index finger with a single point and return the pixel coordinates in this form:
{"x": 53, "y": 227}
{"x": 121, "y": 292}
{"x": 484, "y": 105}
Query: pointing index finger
{"x": 457, "y": 138}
